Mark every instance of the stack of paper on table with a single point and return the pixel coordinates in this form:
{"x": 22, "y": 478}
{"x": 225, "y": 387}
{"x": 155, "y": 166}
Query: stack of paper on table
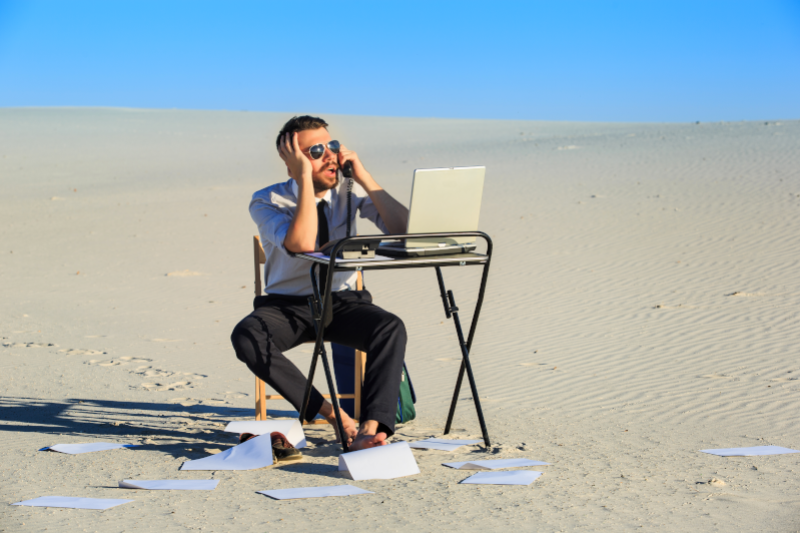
{"x": 494, "y": 464}
{"x": 86, "y": 447}
{"x": 169, "y": 484}
{"x": 252, "y": 454}
{"x": 447, "y": 445}
{"x": 747, "y": 452}
{"x": 314, "y": 492}
{"x": 515, "y": 477}
{"x": 291, "y": 429}
{"x": 377, "y": 257}
{"x": 72, "y": 503}
{"x": 384, "y": 462}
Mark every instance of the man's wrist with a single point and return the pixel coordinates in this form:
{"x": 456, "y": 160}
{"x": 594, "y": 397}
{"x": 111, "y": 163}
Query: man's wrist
{"x": 305, "y": 181}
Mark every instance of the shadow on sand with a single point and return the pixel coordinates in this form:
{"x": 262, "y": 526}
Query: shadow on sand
{"x": 200, "y": 426}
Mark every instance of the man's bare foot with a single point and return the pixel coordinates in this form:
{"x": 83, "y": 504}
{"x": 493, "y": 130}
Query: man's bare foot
{"x": 362, "y": 442}
{"x": 348, "y": 423}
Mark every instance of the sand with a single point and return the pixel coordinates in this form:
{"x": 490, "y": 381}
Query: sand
{"x": 642, "y": 305}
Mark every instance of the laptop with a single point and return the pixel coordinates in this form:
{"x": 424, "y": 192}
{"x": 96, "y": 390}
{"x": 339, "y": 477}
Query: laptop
{"x": 442, "y": 200}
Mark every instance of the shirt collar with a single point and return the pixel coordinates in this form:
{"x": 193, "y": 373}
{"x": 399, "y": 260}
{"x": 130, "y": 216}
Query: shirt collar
{"x": 296, "y": 192}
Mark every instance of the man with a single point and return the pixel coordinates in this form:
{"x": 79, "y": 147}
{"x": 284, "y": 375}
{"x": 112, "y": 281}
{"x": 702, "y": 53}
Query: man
{"x": 300, "y": 215}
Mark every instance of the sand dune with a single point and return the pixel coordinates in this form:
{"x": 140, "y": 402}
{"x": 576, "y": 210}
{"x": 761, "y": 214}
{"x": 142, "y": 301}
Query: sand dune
{"x": 642, "y": 305}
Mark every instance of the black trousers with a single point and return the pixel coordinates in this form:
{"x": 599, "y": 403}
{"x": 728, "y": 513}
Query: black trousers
{"x": 279, "y": 323}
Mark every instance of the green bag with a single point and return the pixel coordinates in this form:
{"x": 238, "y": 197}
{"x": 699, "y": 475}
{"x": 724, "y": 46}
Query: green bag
{"x": 344, "y": 369}
{"x": 406, "y": 400}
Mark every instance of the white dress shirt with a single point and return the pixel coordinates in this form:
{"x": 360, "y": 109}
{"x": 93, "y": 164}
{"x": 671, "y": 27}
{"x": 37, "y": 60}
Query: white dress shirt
{"x": 272, "y": 210}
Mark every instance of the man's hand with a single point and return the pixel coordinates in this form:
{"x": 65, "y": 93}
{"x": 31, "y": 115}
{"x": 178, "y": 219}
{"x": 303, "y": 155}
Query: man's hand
{"x": 360, "y": 174}
{"x": 302, "y": 233}
{"x": 298, "y": 163}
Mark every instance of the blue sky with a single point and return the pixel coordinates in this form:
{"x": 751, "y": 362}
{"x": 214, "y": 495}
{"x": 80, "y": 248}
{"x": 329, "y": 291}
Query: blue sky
{"x": 643, "y": 60}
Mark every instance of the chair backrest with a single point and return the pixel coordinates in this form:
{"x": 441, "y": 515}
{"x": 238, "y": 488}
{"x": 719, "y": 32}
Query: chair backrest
{"x": 259, "y": 258}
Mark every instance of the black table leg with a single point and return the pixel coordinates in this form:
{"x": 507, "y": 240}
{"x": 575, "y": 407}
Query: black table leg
{"x": 317, "y": 345}
{"x": 450, "y": 309}
{"x": 319, "y": 350}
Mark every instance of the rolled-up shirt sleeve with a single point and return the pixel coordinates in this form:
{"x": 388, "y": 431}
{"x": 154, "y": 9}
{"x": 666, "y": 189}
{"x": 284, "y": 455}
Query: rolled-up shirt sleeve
{"x": 272, "y": 221}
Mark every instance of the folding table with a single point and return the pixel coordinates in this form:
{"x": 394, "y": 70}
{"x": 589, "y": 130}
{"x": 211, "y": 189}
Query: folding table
{"x": 321, "y": 307}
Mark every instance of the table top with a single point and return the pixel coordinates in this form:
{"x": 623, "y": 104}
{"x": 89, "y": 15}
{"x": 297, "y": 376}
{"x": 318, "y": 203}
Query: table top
{"x": 383, "y": 263}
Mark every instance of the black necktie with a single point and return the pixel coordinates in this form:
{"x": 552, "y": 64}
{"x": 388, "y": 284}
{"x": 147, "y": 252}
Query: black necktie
{"x": 322, "y": 238}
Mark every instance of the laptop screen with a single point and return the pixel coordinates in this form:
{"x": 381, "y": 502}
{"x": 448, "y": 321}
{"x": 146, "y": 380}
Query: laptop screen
{"x": 445, "y": 200}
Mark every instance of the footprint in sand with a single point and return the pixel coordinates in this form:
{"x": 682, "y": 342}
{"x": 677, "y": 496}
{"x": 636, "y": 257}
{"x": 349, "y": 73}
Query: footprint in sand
{"x": 448, "y": 359}
{"x": 161, "y": 380}
{"x": 76, "y": 351}
{"x": 151, "y": 372}
{"x": 185, "y": 402}
{"x": 158, "y": 387}
{"x": 117, "y": 362}
{"x": 29, "y": 345}
{"x": 532, "y": 364}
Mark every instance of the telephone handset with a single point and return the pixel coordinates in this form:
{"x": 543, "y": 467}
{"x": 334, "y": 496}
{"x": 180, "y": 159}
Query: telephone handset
{"x": 347, "y": 169}
{"x": 347, "y": 172}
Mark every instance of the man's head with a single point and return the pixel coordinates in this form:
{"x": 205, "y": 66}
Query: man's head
{"x": 312, "y": 131}
{"x": 298, "y": 124}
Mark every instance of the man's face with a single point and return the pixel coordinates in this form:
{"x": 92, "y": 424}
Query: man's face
{"x": 324, "y": 169}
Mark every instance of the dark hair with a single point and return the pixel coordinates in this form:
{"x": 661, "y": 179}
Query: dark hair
{"x": 303, "y": 123}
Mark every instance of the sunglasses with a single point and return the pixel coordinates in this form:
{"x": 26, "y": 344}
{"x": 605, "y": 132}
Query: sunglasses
{"x": 318, "y": 150}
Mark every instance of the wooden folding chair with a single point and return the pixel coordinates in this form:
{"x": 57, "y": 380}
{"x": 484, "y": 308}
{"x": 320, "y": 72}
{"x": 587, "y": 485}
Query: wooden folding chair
{"x": 259, "y": 258}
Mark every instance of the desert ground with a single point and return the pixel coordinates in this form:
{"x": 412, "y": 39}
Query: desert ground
{"x": 643, "y": 304}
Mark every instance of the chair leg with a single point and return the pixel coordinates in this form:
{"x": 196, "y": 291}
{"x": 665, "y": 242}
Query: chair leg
{"x": 361, "y": 361}
{"x": 261, "y": 400}
{"x": 262, "y": 397}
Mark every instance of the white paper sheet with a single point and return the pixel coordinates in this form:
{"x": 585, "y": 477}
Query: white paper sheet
{"x": 72, "y": 503}
{"x": 515, "y": 477}
{"x": 291, "y": 428}
{"x": 747, "y": 452}
{"x": 384, "y": 462}
{"x": 446, "y": 445}
{"x": 86, "y": 447}
{"x": 255, "y": 453}
{"x": 494, "y": 464}
{"x": 169, "y": 484}
{"x": 314, "y": 492}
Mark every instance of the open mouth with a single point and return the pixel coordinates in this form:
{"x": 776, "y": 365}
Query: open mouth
{"x": 331, "y": 170}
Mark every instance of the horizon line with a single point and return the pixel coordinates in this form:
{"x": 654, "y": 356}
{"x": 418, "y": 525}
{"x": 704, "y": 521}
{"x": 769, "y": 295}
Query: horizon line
{"x": 410, "y": 117}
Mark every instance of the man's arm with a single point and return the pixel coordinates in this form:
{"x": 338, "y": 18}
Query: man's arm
{"x": 393, "y": 213}
{"x": 302, "y": 234}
